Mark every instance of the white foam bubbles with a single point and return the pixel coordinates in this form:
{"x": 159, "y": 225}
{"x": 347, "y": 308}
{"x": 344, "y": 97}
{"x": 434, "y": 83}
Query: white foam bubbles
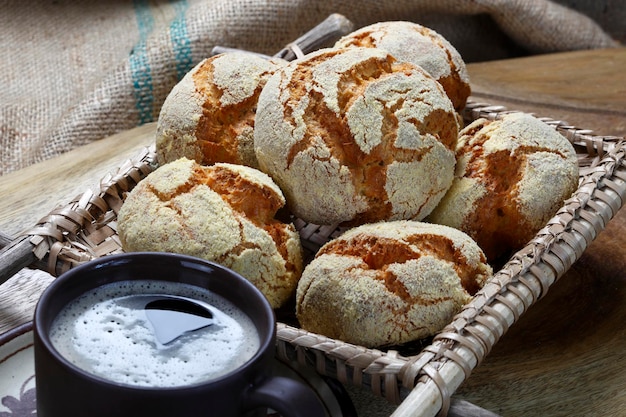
{"x": 106, "y": 332}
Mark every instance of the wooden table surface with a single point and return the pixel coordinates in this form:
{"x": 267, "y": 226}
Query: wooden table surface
{"x": 565, "y": 357}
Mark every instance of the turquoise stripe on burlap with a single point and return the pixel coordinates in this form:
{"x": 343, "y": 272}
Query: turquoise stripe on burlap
{"x": 139, "y": 64}
{"x": 181, "y": 44}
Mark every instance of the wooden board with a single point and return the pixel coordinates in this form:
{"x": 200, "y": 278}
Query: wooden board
{"x": 585, "y": 88}
{"x": 32, "y": 192}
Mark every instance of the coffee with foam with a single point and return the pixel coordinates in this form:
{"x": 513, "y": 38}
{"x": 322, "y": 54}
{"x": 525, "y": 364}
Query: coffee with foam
{"x": 106, "y": 332}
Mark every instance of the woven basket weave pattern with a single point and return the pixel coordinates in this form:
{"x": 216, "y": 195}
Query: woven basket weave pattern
{"x": 86, "y": 229}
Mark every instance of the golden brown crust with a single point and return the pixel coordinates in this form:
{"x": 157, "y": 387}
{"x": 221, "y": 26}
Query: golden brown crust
{"x": 352, "y": 136}
{"x": 411, "y": 42}
{"x": 224, "y": 213}
{"x": 389, "y": 283}
{"x": 209, "y": 115}
{"x": 512, "y": 176}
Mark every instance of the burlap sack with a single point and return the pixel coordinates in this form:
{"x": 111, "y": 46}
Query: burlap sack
{"x": 77, "y": 71}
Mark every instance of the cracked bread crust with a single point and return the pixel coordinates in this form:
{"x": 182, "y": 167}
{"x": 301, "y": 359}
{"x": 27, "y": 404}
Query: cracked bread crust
{"x": 411, "y": 42}
{"x": 223, "y": 213}
{"x": 389, "y": 283}
{"x": 209, "y": 115}
{"x": 512, "y": 176}
{"x": 352, "y": 136}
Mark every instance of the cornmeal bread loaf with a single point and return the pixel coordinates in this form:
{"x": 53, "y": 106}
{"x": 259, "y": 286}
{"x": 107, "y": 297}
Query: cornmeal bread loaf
{"x": 411, "y": 42}
{"x": 223, "y": 213}
{"x": 209, "y": 115}
{"x": 512, "y": 176}
{"x": 389, "y": 283}
{"x": 352, "y": 136}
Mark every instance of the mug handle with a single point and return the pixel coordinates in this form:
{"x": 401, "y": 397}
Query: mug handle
{"x": 288, "y": 397}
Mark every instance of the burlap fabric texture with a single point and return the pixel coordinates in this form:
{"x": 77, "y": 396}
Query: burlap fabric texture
{"x": 75, "y": 71}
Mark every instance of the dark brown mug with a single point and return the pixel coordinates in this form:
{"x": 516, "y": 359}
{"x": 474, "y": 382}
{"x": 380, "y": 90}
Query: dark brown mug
{"x": 65, "y": 389}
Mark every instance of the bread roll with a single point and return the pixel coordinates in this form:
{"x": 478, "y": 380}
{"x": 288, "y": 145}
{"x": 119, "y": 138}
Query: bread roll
{"x": 512, "y": 176}
{"x": 411, "y": 42}
{"x": 389, "y": 283}
{"x": 223, "y": 213}
{"x": 352, "y": 136}
{"x": 209, "y": 115}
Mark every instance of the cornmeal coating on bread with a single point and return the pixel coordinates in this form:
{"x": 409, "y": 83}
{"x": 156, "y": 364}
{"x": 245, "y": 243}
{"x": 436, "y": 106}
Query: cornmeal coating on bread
{"x": 412, "y": 42}
{"x": 389, "y": 283}
{"x": 352, "y": 136}
{"x": 209, "y": 115}
{"x": 223, "y": 213}
{"x": 512, "y": 176}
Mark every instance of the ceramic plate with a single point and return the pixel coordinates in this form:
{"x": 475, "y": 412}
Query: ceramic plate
{"x": 17, "y": 370}
{"x": 17, "y": 379}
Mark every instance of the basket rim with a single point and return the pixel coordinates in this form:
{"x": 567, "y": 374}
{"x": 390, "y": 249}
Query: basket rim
{"x": 85, "y": 229}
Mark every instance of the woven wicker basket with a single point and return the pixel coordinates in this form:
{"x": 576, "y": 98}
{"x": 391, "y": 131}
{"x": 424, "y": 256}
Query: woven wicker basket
{"x": 422, "y": 376}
